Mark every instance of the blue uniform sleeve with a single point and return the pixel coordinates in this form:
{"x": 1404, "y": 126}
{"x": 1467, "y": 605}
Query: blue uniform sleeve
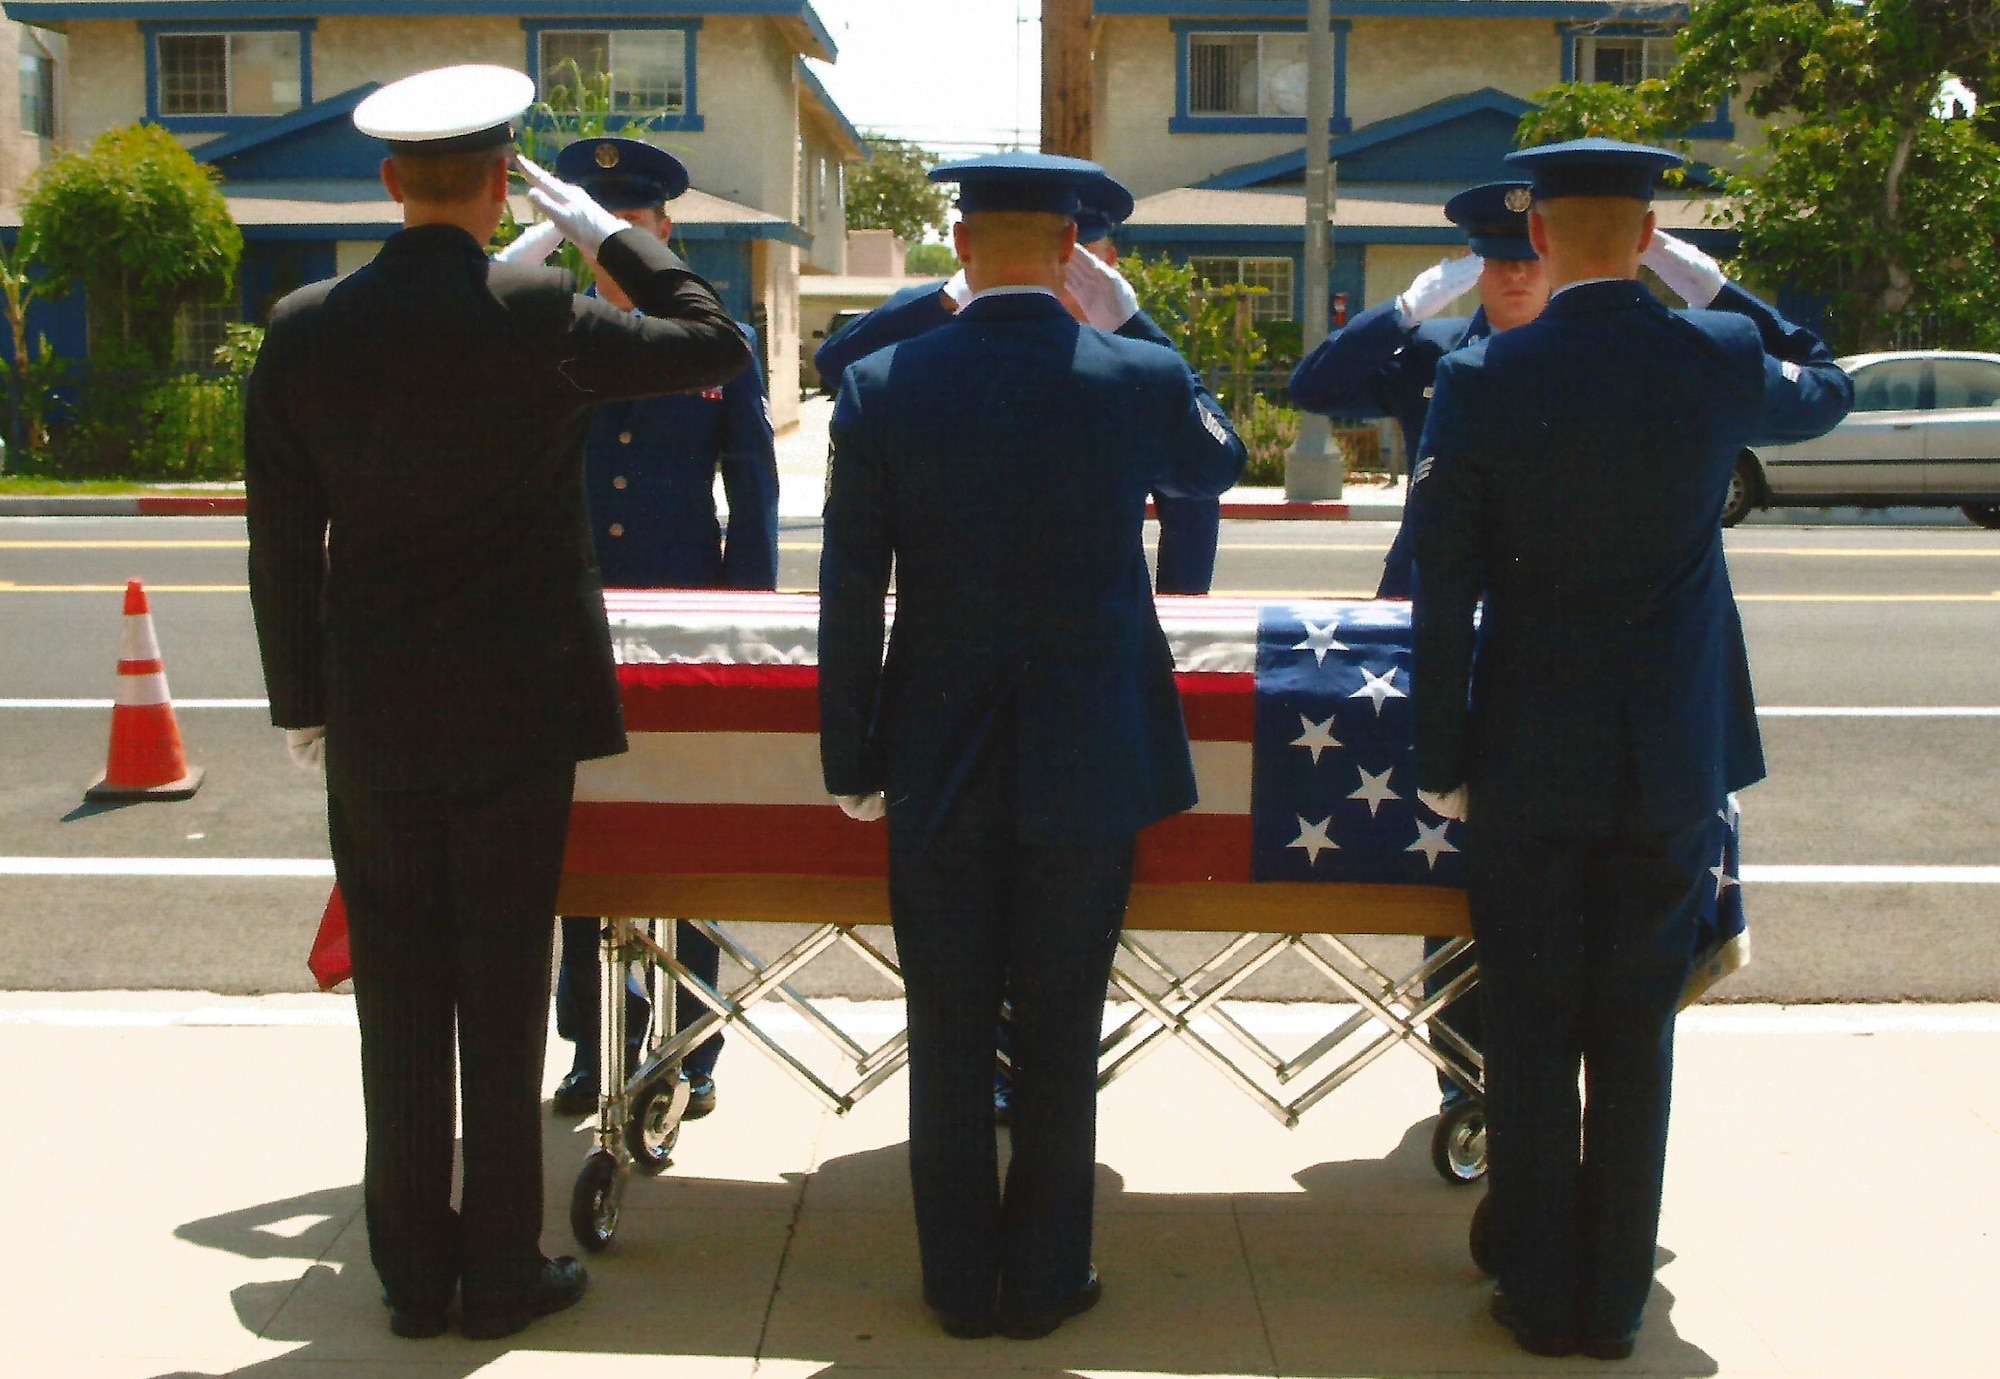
{"x": 1189, "y": 527}
{"x": 748, "y": 458}
{"x": 912, "y": 312}
{"x": 1449, "y": 548}
{"x": 1344, "y": 373}
{"x": 1144, "y": 327}
{"x": 1202, "y": 456}
{"x": 854, "y": 568}
{"x": 1805, "y": 393}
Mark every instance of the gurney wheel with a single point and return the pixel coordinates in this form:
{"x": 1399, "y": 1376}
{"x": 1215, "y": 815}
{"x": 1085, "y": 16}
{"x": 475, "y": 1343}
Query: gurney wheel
{"x": 593, "y": 1206}
{"x": 1476, "y": 1237}
{"x": 1458, "y": 1144}
{"x": 654, "y": 1125}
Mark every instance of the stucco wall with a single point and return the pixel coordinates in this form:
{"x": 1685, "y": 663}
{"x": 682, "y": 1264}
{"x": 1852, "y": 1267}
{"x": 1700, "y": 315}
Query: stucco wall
{"x": 106, "y": 83}
{"x": 1390, "y": 267}
{"x": 776, "y": 265}
{"x": 20, "y": 152}
{"x": 349, "y": 50}
{"x": 746, "y": 98}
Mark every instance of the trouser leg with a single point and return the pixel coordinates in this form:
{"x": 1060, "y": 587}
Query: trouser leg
{"x": 1461, "y": 1016}
{"x": 700, "y": 955}
{"x": 949, "y": 901}
{"x": 506, "y": 862}
{"x": 389, "y": 854}
{"x": 1527, "y": 896}
{"x": 1069, "y": 905}
{"x": 1645, "y": 898}
{"x": 576, "y": 989}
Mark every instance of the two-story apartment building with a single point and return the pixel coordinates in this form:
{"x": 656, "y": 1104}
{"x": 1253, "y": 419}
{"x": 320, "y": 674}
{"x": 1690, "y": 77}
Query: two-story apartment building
{"x": 263, "y": 91}
{"x": 1199, "y": 106}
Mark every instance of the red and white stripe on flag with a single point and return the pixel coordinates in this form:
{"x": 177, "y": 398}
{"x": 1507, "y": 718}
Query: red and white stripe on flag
{"x": 723, "y": 775}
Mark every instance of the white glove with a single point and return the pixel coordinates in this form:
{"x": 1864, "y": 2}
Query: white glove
{"x": 583, "y": 222}
{"x": 308, "y": 747}
{"x": 864, "y": 808}
{"x": 958, "y": 290}
{"x": 533, "y": 245}
{"x": 1684, "y": 268}
{"x": 1437, "y": 287}
{"x": 1450, "y": 805}
{"x": 1108, "y": 301}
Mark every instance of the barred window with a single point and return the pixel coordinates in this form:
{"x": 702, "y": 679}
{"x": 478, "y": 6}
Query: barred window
{"x": 1274, "y": 275}
{"x": 230, "y": 74}
{"x": 1247, "y": 74}
{"x": 1624, "y": 61}
{"x": 648, "y": 67}
{"x": 199, "y": 330}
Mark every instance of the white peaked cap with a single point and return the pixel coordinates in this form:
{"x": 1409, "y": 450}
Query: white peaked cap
{"x": 445, "y": 104}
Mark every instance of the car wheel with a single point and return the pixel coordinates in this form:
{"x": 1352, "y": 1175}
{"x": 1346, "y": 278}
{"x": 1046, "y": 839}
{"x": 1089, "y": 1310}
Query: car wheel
{"x": 1986, "y": 515}
{"x": 1743, "y": 487}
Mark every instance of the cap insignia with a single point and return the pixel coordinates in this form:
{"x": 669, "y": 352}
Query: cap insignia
{"x": 1519, "y": 199}
{"x": 606, "y": 155}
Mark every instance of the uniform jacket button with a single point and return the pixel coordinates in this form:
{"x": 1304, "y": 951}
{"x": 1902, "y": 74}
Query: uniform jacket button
{"x": 618, "y": 482}
{"x": 624, "y": 437}
{"x": 617, "y": 528}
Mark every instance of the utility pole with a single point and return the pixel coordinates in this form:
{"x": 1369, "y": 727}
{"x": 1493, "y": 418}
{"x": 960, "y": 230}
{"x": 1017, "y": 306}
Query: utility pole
{"x": 1066, "y": 77}
{"x": 1313, "y": 469}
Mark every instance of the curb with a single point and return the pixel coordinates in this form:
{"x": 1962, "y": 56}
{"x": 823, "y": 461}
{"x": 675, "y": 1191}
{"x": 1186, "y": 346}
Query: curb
{"x": 121, "y": 505}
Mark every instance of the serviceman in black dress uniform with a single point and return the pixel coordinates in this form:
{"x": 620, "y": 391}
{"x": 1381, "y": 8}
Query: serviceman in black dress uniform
{"x": 1026, "y": 723}
{"x": 430, "y": 618}
{"x": 1593, "y": 720}
{"x": 650, "y": 466}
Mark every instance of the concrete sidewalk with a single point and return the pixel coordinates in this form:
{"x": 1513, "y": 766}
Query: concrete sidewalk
{"x": 183, "y": 1201}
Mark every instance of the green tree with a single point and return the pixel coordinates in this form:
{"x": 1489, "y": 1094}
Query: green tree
{"x": 32, "y": 372}
{"x": 931, "y": 261}
{"x": 1208, "y": 322}
{"x": 1583, "y": 109}
{"x": 142, "y": 228}
{"x": 1868, "y": 189}
{"x": 893, "y": 191}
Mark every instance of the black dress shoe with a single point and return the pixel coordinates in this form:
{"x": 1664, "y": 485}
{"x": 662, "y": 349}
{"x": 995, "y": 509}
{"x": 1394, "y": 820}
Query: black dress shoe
{"x": 1534, "y": 1342}
{"x": 1607, "y": 1347}
{"x": 1079, "y": 1302}
{"x": 701, "y": 1098}
{"x": 561, "y": 1283}
{"x": 416, "y": 1324}
{"x": 976, "y": 1328}
{"x": 576, "y": 1095}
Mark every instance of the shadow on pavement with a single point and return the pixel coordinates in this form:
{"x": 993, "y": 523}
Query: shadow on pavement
{"x": 1364, "y": 1271}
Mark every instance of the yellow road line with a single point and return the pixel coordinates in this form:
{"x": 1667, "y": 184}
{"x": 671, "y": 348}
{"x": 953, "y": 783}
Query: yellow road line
{"x": 9, "y": 587}
{"x": 124, "y": 545}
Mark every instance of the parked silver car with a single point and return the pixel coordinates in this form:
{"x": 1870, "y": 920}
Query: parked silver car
{"x": 1924, "y": 432}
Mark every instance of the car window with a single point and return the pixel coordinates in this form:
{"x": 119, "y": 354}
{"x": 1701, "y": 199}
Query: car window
{"x": 1965, "y": 383}
{"x": 1891, "y": 386}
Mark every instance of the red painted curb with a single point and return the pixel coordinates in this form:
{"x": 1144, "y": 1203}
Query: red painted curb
{"x": 228, "y": 504}
{"x": 1278, "y": 512}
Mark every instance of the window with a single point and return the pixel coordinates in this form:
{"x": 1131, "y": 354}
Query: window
{"x": 1623, "y": 60}
{"x": 1959, "y": 383}
{"x": 648, "y": 67}
{"x": 1274, "y": 303}
{"x": 248, "y": 73}
{"x": 1247, "y": 74}
{"x": 38, "y": 89}
{"x": 199, "y": 330}
{"x": 1893, "y": 386}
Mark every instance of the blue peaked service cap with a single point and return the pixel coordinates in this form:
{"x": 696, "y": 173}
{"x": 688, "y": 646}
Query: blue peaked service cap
{"x": 1495, "y": 218}
{"x": 1038, "y": 182}
{"x": 1103, "y": 205}
{"x": 1595, "y": 167}
{"x": 623, "y": 174}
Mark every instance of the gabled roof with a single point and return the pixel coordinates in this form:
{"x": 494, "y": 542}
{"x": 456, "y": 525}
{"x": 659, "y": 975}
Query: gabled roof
{"x": 317, "y": 140}
{"x": 804, "y": 28}
{"x": 1459, "y": 139}
{"x": 1421, "y": 9}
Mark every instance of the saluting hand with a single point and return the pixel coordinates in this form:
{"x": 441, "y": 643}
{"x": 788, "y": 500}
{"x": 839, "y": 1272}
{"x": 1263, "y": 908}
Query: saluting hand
{"x": 1100, "y": 291}
{"x": 583, "y": 222}
{"x": 1438, "y": 286}
{"x": 535, "y": 243}
{"x": 1684, "y": 268}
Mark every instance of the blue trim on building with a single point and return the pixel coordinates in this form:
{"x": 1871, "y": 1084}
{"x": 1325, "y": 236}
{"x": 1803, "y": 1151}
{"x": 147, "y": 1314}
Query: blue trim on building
{"x": 1184, "y": 122}
{"x": 820, "y": 93}
{"x": 279, "y": 126}
{"x": 1357, "y": 9}
{"x": 192, "y": 11}
{"x": 1291, "y": 166}
{"x": 689, "y": 121}
{"x": 151, "y": 30}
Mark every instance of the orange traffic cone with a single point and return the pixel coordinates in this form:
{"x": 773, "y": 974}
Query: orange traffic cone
{"x": 146, "y": 760}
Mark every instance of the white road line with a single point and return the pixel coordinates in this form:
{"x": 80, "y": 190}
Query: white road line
{"x": 106, "y": 703}
{"x": 1872, "y": 876}
{"x": 1879, "y": 711}
{"x": 230, "y": 867}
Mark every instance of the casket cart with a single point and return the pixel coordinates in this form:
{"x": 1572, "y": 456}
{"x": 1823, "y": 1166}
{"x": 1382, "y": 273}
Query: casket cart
{"x": 717, "y": 816}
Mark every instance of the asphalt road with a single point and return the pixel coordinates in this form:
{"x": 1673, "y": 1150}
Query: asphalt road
{"x": 1858, "y": 618}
